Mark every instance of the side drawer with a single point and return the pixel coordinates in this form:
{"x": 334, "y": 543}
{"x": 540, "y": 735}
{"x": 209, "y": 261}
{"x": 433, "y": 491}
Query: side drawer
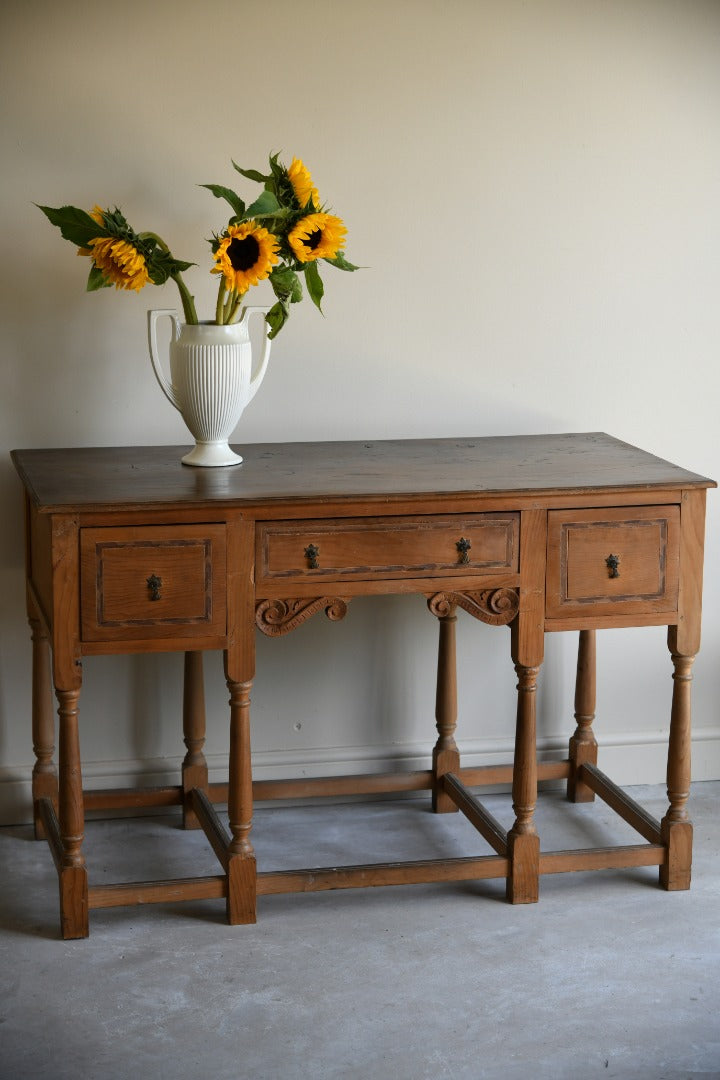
{"x": 622, "y": 560}
{"x": 153, "y": 582}
{"x": 387, "y": 547}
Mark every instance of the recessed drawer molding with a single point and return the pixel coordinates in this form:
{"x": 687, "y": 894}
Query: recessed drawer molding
{"x": 619, "y": 560}
{"x": 149, "y": 582}
{"x": 473, "y": 544}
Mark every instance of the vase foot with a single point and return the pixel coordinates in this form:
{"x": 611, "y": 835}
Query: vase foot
{"x": 211, "y": 455}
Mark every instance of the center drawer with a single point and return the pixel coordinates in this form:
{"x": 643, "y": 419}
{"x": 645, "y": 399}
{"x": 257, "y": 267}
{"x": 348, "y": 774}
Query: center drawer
{"x": 391, "y": 547}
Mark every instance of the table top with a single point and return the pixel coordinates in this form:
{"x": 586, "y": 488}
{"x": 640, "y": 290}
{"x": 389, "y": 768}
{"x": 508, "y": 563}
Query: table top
{"x": 153, "y": 476}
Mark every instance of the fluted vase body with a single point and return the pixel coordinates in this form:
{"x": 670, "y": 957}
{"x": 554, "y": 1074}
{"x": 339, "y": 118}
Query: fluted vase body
{"x": 211, "y": 381}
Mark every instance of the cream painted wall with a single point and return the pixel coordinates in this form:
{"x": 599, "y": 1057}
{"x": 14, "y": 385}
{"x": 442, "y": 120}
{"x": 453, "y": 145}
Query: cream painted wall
{"x": 533, "y": 188}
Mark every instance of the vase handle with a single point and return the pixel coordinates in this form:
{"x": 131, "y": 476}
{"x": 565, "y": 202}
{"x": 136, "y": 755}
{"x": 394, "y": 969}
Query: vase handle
{"x": 165, "y": 385}
{"x": 259, "y": 376}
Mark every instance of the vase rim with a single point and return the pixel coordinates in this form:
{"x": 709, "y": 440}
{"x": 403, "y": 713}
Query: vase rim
{"x": 207, "y": 325}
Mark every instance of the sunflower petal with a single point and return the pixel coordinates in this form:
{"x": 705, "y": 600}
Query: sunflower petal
{"x": 123, "y": 266}
{"x": 317, "y": 236}
{"x": 246, "y": 255}
{"x": 305, "y": 191}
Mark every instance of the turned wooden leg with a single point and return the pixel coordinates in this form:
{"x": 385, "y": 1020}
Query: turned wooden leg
{"x": 676, "y": 825}
{"x": 72, "y": 872}
{"x": 242, "y": 875}
{"x": 527, "y": 646}
{"x": 194, "y": 768}
{"x": 523, "y": 840}
{"x": 446, "y": 756}
{"x": 44, "y": 776}
{"x": 583, "y": 747}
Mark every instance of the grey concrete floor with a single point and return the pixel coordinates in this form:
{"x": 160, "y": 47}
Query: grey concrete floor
{"x": 608, "y": 976}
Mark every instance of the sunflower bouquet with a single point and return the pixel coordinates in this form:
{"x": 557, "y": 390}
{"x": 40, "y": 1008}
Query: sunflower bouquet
{"x": 280, "y": 237}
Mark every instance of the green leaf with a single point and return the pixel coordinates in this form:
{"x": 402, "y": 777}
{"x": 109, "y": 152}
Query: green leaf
{"x": 252, "y": 174}
{"x": 97, "y": 280}
{"x": 276, "y": 169}
{"x": 161, "y": 266}
{"x": 157, "y": 273}
{"x": 341, "y": 262}
{"x": 265, "y": 205}
{"x": 276, "y": 318}
{"x": 315, "y": 287}
{"x": 286, "y": 285}
{"x": 221, "y": 192}
{"x": 74, "y": 224}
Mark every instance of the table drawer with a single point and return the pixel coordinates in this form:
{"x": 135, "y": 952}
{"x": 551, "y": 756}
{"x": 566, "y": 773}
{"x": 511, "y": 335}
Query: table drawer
{"x": 153, "y": 582}
{"x": 391, "y": 547}
{"x": 622, "y": 560}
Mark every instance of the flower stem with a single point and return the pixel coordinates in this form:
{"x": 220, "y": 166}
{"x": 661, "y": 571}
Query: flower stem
{"x": 219, "y": 305}
{"x": 230, "y": 306}
{"x": 188, "y": 300}
{"x": 236, "y": 301}
{"x": 186, "y": 297}
{"x": 158, "y": 240}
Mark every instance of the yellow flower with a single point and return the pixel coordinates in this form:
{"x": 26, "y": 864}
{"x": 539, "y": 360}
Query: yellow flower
{"x": 317, "y": 236}
{"x": 120, "y": 262}
{"x": 246, "y": 255}
{"x": 302, "y": 184}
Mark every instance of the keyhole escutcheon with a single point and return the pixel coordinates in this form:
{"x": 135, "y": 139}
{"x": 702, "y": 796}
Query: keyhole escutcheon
{"x": 154, "y": 584}
{"x": 311, "y": 554}
{"x": 612, "y": 562}
{"x": 463, "y": 547}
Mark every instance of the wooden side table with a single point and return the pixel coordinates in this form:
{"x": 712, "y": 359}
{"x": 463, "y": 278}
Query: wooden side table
{"x": 130, "y": 551}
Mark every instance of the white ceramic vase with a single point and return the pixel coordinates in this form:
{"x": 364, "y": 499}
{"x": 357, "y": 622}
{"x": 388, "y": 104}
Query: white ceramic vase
{"x": 211, "y": 380}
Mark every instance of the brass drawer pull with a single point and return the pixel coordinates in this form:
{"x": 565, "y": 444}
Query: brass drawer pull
{"x": 463, "y": 547}
{"x": 311, "y": 554}
{"x": 612, "y": 562}
{"x": 154, "y": 584}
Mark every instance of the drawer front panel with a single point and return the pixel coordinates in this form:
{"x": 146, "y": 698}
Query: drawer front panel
{"x": 391, "y": 547}
{"x": 151, "y": 582}
{"x": 615, "y": 561}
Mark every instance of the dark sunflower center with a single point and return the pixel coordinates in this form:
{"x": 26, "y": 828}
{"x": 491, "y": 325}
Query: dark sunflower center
{"x": 313, "y": 239}
{"x": 243, "y": 253}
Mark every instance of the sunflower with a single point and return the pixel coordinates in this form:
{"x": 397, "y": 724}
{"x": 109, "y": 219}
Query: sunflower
{"x": 120, "y": 262}
{"x": 317, "y": 236}
{"x": 245, "y": 255}
{"x": 302, "y": 184}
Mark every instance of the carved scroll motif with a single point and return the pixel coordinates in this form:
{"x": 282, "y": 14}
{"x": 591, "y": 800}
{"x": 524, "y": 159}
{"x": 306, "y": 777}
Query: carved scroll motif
{"x": 497, "y": 607}
{"x": 276, "y": 617}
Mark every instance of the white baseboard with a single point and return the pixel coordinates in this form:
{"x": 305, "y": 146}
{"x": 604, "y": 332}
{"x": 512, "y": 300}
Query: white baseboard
{"x": 628, "y": 759}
